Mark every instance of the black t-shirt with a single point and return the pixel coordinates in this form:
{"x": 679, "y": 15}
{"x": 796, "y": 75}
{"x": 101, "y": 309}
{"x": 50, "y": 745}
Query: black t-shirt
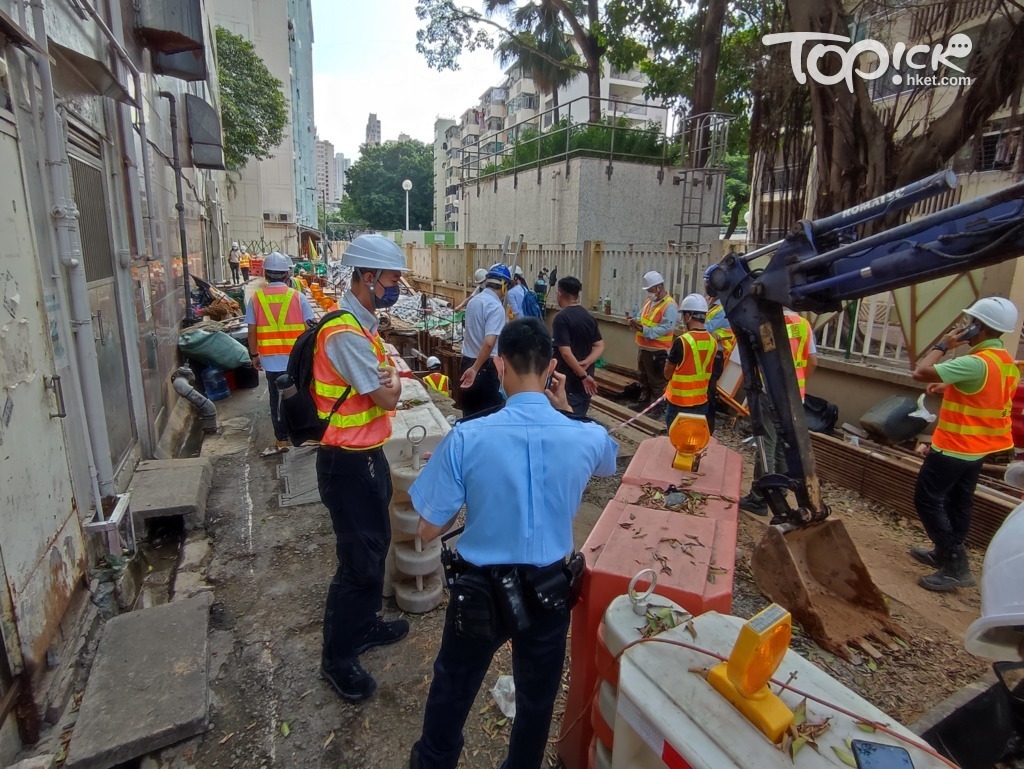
{"x": 574, "y": 327}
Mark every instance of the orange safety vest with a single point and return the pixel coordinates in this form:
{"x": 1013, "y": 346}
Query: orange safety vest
{"x": 439, "y": 382}
{"x": 689, "y": 383}
{"x": 979, "y": 423}
{"x": 243, "y": 260}
{"x": 799, "y": 332}
{"x": 279, "y": 319}
{"x": 649, "y": 318}
{"x": 725, "y": 336}
{"x": 359, "y": 423}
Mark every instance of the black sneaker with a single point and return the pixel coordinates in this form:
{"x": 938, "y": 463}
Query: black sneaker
{"x": 382, "y": 633}
{"x": 349, "y": 680}
{"x": 754, "y": 505}
{"x": 927, "y": 557}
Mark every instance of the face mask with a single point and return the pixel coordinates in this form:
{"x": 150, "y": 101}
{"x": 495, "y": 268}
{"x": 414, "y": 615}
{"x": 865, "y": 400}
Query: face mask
{"x": 501, "y": 385}
{"x": 652, "y": 294}
{"x": 391, "y": 294}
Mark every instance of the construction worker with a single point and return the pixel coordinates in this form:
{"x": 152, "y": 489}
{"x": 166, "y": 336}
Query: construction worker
{"x": 485, "y": 318}
{"x": 516, "y": 294}
{"x": 513, "y": 550}
{"x": 479, "y": 276}
{"x": 688, "y": 369}
{"x": 234, "y": 255}
{"x": 974, "y": 421}
{"x": 805, "y": 359}
{"x": 243, "y": 265}
{"x": 277, "y": 316}
{"x": 718, "y": 325}
{"x": 435, "y": 380}
{"x": 352, "y": 471}
{"x": 655, "y": 329}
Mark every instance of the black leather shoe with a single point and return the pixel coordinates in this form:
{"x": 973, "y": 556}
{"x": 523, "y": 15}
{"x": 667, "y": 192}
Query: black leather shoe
{"x": 927, "y": 557}
{"x": 349, "y": 680}
{"x": 382, "y": 633}
{"x": 414, "y": 756}
{"x": 753, "y": 505}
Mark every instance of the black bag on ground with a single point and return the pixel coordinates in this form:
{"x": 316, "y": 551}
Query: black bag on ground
{"x": 297, "y": 409}
{"x": 821, "y": 415}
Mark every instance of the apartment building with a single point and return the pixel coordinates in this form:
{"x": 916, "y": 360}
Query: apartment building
{"x": 481, "y": 134}
{"x": 326, "y": 174}
{"x": 373, "y": 129}
{"x": 341, "y": 166}
{"x": 274, "y": 204}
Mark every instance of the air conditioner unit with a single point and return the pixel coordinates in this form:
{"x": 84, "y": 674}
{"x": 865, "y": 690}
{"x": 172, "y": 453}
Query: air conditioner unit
{"x": 266, "y": 217}
{"x": 282, "y": 217}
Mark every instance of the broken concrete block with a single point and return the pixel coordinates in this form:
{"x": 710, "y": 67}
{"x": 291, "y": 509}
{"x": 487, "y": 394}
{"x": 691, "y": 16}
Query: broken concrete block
{"x": 194, "y": 555}
{"x": 47, "y": 761}
{"x": 149, "y": 685}
{"x": 172, "y": 487}
{"x": 190, "y": 583}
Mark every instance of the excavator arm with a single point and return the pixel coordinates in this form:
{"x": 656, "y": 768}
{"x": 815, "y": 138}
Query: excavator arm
{"x": 823, "y": 263}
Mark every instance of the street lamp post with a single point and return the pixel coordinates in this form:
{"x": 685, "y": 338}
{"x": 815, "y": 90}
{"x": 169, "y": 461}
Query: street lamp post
{"x": 407, "y": 185}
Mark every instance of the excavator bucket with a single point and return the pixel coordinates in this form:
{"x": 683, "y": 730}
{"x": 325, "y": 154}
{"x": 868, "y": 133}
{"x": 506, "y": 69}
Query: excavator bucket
{"x": 817, "y": 574}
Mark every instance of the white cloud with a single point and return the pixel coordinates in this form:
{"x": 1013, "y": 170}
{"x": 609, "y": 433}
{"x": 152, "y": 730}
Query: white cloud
{"x": 365, "y": 60}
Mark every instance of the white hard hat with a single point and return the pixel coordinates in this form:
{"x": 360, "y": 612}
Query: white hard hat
{"x": 996, "y": 634}
{"x": 480, "y": 275}
{"x": 374, "y": 252}
{"x": 694, "y": 303}
{"x": 652, "y": 279}
{"x": 995, "y": 312}
{"x": 518, "y": 270}
{"x": 433, "y": 362}
{"x": 276, "y": 262}
{"x": 234, "y": 244}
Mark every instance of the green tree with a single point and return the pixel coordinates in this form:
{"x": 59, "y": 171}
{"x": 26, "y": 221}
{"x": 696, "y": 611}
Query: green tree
{"x": 452, "y": 29}
{"x": 374, "y": 185}
{"x": 253, "y": 108}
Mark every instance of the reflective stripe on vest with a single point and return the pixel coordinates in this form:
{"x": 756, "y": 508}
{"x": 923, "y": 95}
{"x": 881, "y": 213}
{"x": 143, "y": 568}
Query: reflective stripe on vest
{"x": 689, "y": 383}
{"x": 278, "y": 319}
{"x": 297, "y": 284}
{"x": 359, "y": 423}
{"x": 799, "y": 332}
{"x": 650, "y": 317}
{"x": 438, "y": 382}
{"x": 979, "y": 423}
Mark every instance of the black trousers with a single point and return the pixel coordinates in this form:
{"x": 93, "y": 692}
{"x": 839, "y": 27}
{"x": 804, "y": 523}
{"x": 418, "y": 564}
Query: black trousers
{"x": 483, "y": 395}
{"x": 234, "y": 273}
{"x": 245, "y": 274}
{"x": 356, "y": 488}
{"x": 650, "y": 369}
{"x": 538, "y": 654}
{"x": 275, "y": 403}
{"x": 944, "y": 497}
{"x": 716, "y": 372}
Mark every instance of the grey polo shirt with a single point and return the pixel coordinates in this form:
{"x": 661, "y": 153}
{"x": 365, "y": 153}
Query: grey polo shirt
{"x": 351, "y": 354}
{"x": 484, "y": 316}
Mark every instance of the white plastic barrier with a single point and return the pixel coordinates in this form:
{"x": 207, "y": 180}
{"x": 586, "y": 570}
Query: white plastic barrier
{"x": 669, "y": 716}
{"x": 412, "y": 570}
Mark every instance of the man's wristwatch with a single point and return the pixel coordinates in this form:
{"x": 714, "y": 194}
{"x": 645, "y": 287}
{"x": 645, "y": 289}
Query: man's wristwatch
{"x": 253, "y": 355}
{"x": 941, "y": 347}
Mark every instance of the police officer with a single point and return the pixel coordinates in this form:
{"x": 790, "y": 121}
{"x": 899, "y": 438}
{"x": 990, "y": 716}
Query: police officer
{"x": 354, "y": 388}
{"x": 519, "y": 511}
{"x": 277, "y": 316}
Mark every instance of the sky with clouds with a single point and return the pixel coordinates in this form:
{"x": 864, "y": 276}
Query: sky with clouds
{"x": 365, "y": 60}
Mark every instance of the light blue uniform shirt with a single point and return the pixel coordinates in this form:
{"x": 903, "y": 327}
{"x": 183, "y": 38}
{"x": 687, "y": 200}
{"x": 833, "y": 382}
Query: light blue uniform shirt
{"x": 514, "y": 300}
{"x": 276, "y": 363}
{"x": 484, "y": 317}
{"x": 521, "y": 473}
{"x": 352, "y": 355}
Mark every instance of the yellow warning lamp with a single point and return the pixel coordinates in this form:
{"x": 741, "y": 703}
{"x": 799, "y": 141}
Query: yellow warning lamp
{"x": 689, "y": 435}
{"x": 743, "y": 680}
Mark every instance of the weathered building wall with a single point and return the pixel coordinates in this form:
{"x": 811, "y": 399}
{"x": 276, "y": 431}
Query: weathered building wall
{"x": 578, "y": 202}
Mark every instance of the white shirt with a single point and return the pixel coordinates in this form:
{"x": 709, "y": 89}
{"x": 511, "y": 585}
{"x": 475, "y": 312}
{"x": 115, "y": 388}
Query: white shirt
{"x": 484, "y": 317}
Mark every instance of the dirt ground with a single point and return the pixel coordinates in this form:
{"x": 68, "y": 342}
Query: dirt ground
{"x": 270, "y": 569}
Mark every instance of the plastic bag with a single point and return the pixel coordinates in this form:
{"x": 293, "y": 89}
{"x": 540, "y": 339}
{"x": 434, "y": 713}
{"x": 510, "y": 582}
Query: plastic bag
{"x": 921, "y": 412}
{"x": 213, "y": 347}
{"x": 504, "y": 692}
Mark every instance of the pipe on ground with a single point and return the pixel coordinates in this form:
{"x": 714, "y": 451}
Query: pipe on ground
{"x": 207, "y": 409}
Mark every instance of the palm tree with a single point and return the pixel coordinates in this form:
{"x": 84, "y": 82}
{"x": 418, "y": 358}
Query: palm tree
{"x": 541, "y": 42}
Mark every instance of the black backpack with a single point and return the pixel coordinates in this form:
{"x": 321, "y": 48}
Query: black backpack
{"x": 821, "y": 415}
{"x": 297, "y": 410}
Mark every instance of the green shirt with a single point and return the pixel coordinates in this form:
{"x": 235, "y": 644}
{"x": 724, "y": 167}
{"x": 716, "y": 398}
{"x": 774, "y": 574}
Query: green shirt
{"x": 968, "y": 374}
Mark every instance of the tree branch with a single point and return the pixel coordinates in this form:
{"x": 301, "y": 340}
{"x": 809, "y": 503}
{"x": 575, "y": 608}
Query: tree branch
{"x": 519, "y": 40}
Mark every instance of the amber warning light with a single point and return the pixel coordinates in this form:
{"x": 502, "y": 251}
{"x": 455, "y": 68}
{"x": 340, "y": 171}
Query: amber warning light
{"x": 689, "y": 436}
{"x": 743, "y": 679}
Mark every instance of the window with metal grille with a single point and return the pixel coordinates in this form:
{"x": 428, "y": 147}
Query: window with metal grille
{"x": 92, "y": 221}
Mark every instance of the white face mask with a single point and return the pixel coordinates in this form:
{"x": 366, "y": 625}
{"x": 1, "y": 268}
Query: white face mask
{"x": 653, "y": 294}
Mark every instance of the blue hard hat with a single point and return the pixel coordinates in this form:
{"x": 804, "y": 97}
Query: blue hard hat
{"x": 499, "y": 272}
{"x": 708, "y": 288}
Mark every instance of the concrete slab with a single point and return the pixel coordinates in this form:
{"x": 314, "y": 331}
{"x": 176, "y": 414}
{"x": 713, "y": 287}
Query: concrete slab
{"x": 194, "y": 555}
{"x": 172, "y": 487}
{"x": 189, "y": 584}
{"x": 36, "y": 762}
{"x": 298, "y": 471}
{"x": 148, "y": 687}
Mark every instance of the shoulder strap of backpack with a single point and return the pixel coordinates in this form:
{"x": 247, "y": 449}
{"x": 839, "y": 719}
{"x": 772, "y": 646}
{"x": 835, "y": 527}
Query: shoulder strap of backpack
{"x": 324, "y": 321}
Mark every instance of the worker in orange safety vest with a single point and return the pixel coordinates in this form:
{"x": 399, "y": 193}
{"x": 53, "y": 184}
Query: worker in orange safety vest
{"x": 974, "y": 421}
{"x": 435, "y": 380}
{"x": 690, "y": 361}
{"x": 655, "y": 330}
